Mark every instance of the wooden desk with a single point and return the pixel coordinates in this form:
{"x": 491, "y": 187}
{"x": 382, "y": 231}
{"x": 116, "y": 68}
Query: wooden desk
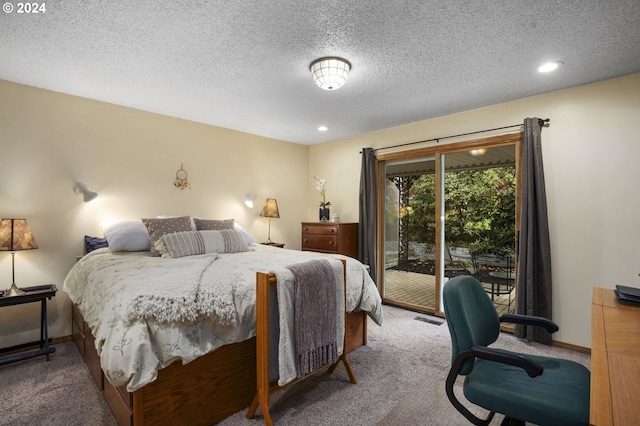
{"x": 615, "y": 361}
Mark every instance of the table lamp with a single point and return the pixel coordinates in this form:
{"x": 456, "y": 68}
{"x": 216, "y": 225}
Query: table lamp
{"x": 15, "y": 235}
{"x": 270, "y": 210}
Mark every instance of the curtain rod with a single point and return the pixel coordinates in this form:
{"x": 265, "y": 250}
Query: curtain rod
{"x": 540, "y": 121}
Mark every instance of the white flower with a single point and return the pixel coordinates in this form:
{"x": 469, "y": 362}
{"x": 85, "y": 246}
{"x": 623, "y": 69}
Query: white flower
{"x": 320, "y": 183}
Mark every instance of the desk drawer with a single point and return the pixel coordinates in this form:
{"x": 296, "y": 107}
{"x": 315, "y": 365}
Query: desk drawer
{"x": 320, "y": 243}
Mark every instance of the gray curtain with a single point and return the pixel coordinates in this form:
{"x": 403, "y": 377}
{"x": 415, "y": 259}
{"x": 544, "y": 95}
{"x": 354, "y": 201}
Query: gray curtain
{"x": 367, "y": 212}
{"x": 534, "y": 252}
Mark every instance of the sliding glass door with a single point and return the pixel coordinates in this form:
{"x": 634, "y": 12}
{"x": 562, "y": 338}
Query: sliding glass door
{"x": 410, "y": 233}
{"x": 449, "y": 213}
{"x": 479, "y": 220}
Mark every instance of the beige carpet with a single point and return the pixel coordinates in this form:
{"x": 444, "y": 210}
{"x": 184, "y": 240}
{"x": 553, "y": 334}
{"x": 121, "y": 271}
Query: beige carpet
{"x": 401, "y": 375}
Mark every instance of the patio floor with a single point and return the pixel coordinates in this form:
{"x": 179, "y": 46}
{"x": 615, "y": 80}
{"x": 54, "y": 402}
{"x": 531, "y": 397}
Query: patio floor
{"x": 419, "y": 289}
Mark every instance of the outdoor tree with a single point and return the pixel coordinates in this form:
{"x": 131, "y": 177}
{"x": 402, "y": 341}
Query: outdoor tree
{"x": 479, "y": 208}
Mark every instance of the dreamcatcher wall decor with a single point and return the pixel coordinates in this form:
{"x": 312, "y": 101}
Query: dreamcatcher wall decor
{"x": 182, "y": 181}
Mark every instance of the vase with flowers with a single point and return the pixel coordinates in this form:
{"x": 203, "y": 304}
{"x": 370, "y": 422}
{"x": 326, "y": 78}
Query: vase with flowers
{"x": 324, "y": 205}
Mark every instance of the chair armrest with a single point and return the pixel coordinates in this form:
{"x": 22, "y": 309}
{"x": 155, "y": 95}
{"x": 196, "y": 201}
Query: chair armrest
{"x": 532, "y": 368}
{"x": 548, "y": 325}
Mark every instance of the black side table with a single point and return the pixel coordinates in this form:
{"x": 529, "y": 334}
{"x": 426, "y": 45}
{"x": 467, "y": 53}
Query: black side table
{"x": 32, "y": 294}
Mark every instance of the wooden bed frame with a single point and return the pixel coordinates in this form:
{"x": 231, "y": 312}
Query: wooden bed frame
{"x": 265, "y": 284}
{"x": 205, "y": 391}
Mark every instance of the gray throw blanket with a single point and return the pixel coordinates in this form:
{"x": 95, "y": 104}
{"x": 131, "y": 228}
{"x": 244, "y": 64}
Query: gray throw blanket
{"x": 315, "y": 315}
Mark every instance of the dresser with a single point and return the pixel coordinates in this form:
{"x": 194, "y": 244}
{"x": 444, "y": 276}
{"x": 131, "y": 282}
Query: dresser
{"x": 329, "y": 237}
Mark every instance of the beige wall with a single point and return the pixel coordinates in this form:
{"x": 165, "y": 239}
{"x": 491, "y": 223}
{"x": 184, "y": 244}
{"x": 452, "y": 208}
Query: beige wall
{"x": 591, "y": 155}
{"x": 50, "y": 141}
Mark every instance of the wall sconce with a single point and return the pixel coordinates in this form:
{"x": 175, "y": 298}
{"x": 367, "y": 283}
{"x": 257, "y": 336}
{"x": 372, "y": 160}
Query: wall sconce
{"x": 249, "y": 199}
{"x": 81, "y": 188}
{"x": 270, "y": 210}
{"x": 15, "y": 235}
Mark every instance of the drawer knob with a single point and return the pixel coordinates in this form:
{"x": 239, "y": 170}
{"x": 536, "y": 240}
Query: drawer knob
{"x": 332, "y": 230}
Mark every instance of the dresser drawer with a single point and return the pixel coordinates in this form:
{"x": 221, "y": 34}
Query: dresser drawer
{"x": 330, "y": 237}
{"x": 78, "y": 337}
{"x": 320, "y": 229}
{"x": 92, "y": 359}
{"x": 319, "y": 242}
{"x": 77, "y": 328}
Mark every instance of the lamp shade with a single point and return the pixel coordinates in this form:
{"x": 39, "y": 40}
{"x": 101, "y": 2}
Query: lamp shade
{"x": 330, "y": 73}
{"x": 15, "y": 235}
{"x": 270, "y": 209}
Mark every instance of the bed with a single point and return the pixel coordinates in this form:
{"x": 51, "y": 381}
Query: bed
{"x": 186, "y": 354}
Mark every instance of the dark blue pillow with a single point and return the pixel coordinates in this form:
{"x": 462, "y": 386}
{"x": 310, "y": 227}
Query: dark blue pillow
{"x": 94, "y": 243}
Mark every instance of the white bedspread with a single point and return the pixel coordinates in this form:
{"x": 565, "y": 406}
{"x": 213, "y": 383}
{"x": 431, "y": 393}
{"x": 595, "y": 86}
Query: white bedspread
{"x": 133, "y": 345}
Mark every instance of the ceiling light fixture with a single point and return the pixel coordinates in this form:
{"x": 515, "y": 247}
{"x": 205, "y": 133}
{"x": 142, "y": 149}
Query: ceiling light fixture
{"x": 323, "y": 128}
{"x": 549, "y": 66}
{"x": 330, "y": 73}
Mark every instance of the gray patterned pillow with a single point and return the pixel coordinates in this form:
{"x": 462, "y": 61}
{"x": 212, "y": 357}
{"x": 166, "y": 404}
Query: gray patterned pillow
{"x": 212, "y": 225}
{"x": 180, "y": 244}
{"x": 159, "y": 227}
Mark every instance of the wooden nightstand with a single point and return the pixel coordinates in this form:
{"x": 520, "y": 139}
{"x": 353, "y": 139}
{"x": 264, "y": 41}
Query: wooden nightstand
{"x": 279, "y": 245}
{"x": 330, "y": 237}
{"x": 31, "y": 294}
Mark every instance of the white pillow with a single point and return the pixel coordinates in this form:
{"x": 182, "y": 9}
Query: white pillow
{"x": 247, "y": 236}
{"x": 126, "y": 235}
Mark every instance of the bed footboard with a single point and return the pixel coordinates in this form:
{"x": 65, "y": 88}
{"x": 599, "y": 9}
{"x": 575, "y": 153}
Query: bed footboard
{"x": 266, "y": 386}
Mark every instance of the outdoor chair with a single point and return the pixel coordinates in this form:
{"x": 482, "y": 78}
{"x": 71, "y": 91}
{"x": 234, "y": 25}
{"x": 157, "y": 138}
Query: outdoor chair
{"x": 452, "y": 267}
{"x": 524, "y": 388}
{"x": 495, "y": 269}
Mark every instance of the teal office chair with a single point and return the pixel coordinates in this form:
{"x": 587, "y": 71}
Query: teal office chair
{"x": 525, "y": 388}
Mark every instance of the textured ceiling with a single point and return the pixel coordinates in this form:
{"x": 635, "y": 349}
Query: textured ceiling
{"x": 244, "y": 64}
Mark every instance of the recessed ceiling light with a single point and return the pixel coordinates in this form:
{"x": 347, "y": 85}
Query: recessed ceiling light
{"x": 549, "y": 66}
{"x": 323, "y": 128}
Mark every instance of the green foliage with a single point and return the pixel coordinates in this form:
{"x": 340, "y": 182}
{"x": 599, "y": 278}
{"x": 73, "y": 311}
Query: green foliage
{"x": 479, "y": 208}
